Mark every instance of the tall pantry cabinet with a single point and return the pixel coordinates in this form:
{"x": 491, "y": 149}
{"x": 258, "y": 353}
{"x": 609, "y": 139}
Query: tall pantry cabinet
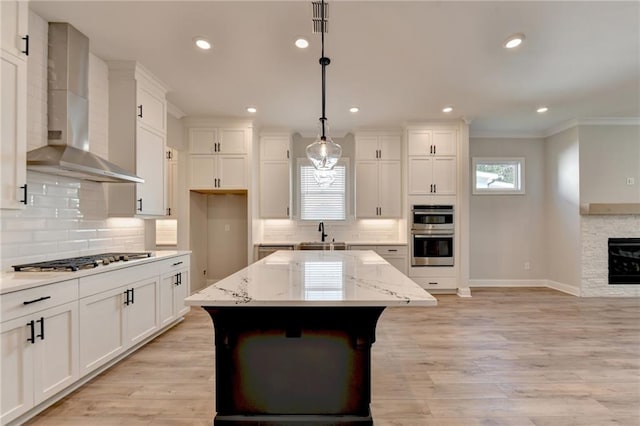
{"x": 13, "y": 91}
{"x": 137, "y": 139}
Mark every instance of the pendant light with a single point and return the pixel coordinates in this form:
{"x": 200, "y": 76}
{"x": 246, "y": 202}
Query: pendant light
{"x": 323, "y": 153}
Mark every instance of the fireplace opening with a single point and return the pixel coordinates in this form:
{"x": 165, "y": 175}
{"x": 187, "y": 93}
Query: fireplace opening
{"x": 624, "y": 260}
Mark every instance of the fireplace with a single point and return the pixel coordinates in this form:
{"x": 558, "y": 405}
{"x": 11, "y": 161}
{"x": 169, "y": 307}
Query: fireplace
{"x": 624, "y": 260}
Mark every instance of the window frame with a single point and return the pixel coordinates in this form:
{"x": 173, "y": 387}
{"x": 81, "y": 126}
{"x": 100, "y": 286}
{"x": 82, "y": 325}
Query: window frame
{"x": 306, "y": 162}
{"x": 520, "y": 179}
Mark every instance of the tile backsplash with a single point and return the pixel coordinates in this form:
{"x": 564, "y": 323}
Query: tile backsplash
{"x": 64, "y": 217}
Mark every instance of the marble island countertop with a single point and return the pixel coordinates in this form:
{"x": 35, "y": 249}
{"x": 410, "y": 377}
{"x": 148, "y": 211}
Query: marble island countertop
{"x": 315, "y": 278}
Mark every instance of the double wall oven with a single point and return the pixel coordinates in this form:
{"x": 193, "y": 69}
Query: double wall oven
{"x": 432, "y": 235}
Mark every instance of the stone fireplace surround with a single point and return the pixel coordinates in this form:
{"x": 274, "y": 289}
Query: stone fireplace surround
{"x": 595, "y": 233}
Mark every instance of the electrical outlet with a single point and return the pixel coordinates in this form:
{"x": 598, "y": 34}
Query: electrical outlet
{"x": 527, "y": 266}
{"x": 227, "y": 227}
{"x": 631, "y": 181}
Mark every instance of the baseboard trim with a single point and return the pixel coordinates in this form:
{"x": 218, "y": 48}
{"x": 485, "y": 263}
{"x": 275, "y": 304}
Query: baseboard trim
{"x": 507, "y": 283}
{"x": 565, "y": 288}
{"x": 555, "y": 285}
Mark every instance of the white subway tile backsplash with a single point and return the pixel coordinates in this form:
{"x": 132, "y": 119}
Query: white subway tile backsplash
{"x": 65, "y": 217}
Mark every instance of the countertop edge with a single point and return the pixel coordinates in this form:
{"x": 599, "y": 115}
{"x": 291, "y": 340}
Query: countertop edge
{"x": 17, "y": 281}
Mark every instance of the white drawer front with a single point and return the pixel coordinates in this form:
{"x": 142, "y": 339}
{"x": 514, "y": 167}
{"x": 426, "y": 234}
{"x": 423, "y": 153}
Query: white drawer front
{"x": 174, "y": 264}
{"x": 391, "y": 250}
{"x": 25, "y": 302}
{"x": 437, "y": 283}
{"x": 109, "y": 280}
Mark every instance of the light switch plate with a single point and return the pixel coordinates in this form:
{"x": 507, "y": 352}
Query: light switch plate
{"x": 631, "y": 181}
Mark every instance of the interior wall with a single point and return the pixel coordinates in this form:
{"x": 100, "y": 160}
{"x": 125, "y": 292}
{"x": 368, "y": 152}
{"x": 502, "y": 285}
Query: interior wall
{"x": 507, "y": 231}
{"x": 226, "y": 234}
{"x": 608, "y": 156}
{"x": 562, "y": 218}
{"x": 198, "y": 240}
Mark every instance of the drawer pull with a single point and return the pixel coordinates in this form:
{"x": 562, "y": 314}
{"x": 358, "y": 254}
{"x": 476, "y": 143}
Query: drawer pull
{"x": 394, "y": 250}
{"x": 28, "y": 302}
{"x": 177, "y": 263}
{"x": 432, "y": 283}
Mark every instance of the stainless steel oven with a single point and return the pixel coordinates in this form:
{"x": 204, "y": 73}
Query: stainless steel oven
{"x": 432, "y": 235}
{"x": 432, "y": 217}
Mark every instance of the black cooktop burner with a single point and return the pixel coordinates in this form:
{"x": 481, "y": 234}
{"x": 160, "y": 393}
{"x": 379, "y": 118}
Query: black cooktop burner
{"x": 82, "y": 262}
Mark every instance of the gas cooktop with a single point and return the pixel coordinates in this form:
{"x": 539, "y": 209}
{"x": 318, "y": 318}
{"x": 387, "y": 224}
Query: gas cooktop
{"x": 82, "y": 262}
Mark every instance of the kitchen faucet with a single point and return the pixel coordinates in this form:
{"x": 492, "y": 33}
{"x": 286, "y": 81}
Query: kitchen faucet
{"x": 321, "y": 230}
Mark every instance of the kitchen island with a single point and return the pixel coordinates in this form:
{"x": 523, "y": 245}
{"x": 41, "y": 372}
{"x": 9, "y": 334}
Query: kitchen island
{"x": 293, "y": 336}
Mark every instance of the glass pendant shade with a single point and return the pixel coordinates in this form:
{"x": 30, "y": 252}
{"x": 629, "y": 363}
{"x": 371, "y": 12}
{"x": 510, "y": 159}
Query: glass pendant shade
{"x": 324, "y": 153}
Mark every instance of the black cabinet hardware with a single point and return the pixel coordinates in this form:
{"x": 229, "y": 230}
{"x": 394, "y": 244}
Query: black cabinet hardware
{"x": 24, "y": 194}
{"x": 139, "y": 204}
{"x": 435, "y": 188}
{"x": 287, "y": 211}
{"x": 126, "y": 301}
{"x": 168, "y": 211}
{"x": 179, "y": 278}
{"x": 132, "y": 296}
{"x": 169, "y": 155}
{"x": 287, "y": 154}
{"x": 40, "y": 299}
{"x": 26, "y": 45}
{"x": 32, "y": 332}
{"x": 433, "y": 283}
{"x": 41, "y": 335}
{"x": 140, "y": 111}
{"x": 394, "y": 250}
{"x": 177, "y": 263}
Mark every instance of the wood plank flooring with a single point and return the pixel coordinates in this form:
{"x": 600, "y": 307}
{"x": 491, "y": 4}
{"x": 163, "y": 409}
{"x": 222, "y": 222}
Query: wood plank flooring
{"x": 519, "y": 357}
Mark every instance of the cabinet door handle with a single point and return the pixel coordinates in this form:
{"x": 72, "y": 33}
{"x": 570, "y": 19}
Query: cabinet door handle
{"x": 132, "y": 296}
{"x": 32, "y": 332}
{"x": 179, "y": 278}
{"x": 126, "y": 302}
{"x": 40, "y": 299}
{"x": 41, "y": 335}
{"x": 287, "y": 211}
{"x": 168, "y": 211}
{"x": 26, "y": 45}
{"x": 435, "y": 149}
{"x": 140, "y": 110}
{"x": 169, "y": 155}
{"x": 435, "y": 188}
{"x": 139, "y": 204}
{"x": 24, "y": 194}
{"x": 287, "y": 154}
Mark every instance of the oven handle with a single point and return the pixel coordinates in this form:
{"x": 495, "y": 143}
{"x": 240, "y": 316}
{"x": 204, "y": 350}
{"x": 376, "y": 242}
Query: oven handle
{"x": 432, "y": 234}
{"x": 432, "y": 212}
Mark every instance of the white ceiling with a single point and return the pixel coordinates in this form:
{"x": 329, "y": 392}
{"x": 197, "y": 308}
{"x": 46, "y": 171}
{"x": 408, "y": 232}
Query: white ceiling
{"x": 398, "y": 61}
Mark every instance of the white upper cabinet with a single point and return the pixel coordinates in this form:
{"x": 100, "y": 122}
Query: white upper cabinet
{"x": 218, "y": 158}
{"x": 378, "y": 147}
{"x": 275, "y": 176}
{"x": 217, "y": 141}
{"x": 378, "y": 176}
{"x": 432, "y": 161}
{"x": 137, "y": 139}
{"x": 432, "y": 142}
{"x": 171, "y": 189}
{"x": 13, "y": 91}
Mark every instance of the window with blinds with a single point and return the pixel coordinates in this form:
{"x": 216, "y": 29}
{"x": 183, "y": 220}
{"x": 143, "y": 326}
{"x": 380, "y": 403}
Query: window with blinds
{"x": 322, "y": 197}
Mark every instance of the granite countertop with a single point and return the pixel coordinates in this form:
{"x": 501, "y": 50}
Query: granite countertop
{"x": 14, "y": 281}
{"x": 315, "y": 278}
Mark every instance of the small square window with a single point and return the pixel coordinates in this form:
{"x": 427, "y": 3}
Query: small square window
{"x": 323, "y": 195}
{"x": 498, "y": 175}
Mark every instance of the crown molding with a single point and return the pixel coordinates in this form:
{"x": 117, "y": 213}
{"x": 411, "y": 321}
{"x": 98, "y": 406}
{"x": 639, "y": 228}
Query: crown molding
{"x": 175, "y": 111}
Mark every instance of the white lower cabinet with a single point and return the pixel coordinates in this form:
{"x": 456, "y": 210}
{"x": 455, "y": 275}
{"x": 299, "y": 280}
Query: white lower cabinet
{"x": 436, "y": 283}
{"x": 113, "y": 321}
{"x": 174, "y": 287}
{"x": 39, "y": 350}
{"x": 396, "y": 255}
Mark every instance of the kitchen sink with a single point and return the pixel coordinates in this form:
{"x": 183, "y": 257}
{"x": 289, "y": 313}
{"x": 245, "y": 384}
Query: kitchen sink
{"x": 319, "y": 245}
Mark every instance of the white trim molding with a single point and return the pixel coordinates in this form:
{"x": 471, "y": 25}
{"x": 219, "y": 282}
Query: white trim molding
{"x": 507, "y": 283}
{"x": 565, "y": 288}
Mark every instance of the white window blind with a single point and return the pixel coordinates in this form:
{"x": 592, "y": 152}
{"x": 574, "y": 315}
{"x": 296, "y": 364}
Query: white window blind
{"x": 322, "y": 201}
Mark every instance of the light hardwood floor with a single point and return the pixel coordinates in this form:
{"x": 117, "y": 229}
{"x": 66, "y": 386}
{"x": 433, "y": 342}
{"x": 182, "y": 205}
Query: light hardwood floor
{"x": 518, "y": 357}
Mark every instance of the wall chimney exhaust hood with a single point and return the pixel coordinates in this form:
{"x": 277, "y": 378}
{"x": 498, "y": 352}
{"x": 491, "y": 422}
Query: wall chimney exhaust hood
{"x": 67, "y": 152}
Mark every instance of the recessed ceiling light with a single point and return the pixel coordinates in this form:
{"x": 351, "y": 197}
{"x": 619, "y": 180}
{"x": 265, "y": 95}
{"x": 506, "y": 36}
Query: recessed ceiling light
{"x": 252, "y": 110}
{"x": 447, "y": 109}
{"x": 302, "y": 43}
{"x": 542, "y": 109}
{"x": 202, "y": 43}
{"x": 354, "y": 109}
{"x": 513, "y": 41}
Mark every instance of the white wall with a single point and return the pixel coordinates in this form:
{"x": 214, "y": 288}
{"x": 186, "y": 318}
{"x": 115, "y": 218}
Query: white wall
{"x": 64, "y": 217}
{"x": 608, "y": 156}
{"x": 562, "y": 218}
{"x": 508, "y": 230}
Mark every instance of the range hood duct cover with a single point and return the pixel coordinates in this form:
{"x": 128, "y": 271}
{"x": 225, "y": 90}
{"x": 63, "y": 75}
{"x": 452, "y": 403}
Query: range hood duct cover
{"x": 67, "y": 152}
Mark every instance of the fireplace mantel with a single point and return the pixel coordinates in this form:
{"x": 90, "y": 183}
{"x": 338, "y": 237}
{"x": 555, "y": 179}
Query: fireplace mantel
{"x": 610, "y": 209}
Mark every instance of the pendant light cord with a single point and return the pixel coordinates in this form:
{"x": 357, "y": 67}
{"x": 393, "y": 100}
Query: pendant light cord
{"x": 323, "y": 62}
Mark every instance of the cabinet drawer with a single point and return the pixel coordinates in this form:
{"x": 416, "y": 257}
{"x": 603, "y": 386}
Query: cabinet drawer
{"x": 106, "y": 281}
{"x": 173, "y": 264}
{"x": 437, "y": 283}
{"x": 391, "y": 250}
{"x": 38, "y": 299}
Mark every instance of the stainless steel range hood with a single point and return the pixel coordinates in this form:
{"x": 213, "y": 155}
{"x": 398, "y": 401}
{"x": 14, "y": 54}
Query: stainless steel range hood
{"x": 67, "y": 152}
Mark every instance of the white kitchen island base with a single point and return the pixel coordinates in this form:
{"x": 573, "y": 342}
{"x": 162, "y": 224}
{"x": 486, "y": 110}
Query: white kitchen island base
{"x": 293, "y": 336}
